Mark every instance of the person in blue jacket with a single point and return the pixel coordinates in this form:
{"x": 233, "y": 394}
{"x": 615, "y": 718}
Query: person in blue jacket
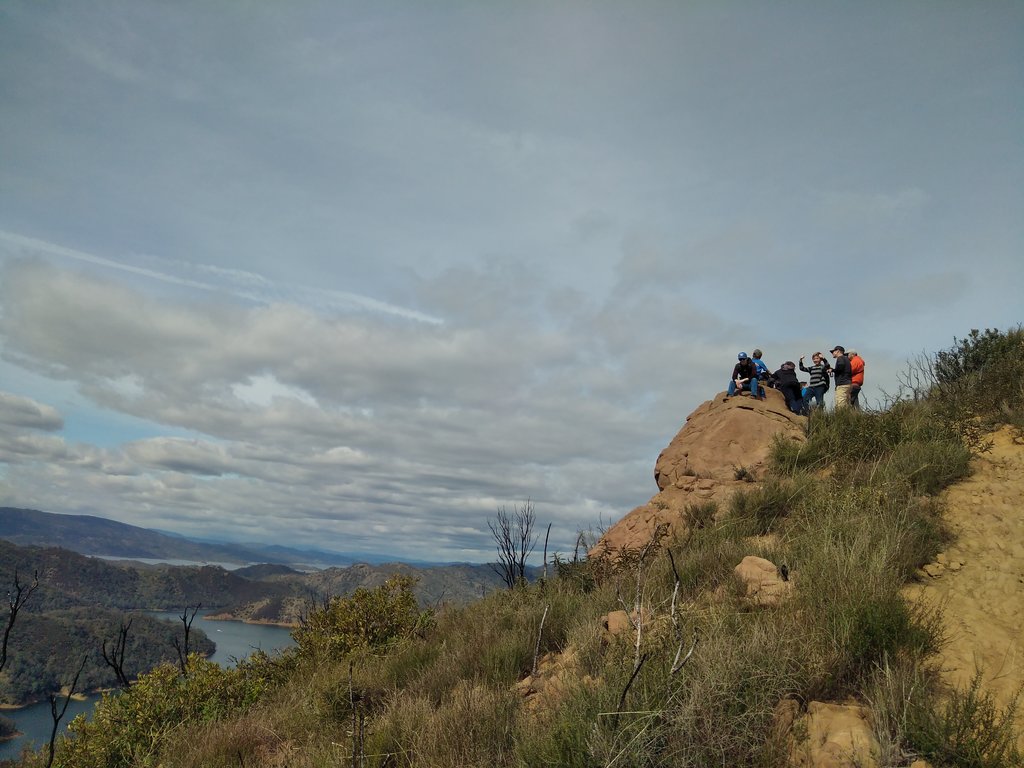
{"x": 763, "y": 374}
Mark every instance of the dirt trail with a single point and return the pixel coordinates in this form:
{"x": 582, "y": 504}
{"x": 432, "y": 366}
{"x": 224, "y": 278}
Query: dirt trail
{"x": 980, "y": 579}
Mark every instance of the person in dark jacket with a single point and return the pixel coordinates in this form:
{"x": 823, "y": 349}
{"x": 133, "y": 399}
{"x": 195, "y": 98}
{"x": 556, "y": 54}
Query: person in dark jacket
{"x": 744, "y": 375}
{"x": 818, "y": 384}
{"x": 788, "y": 384}
{"x": 843, "y": 377}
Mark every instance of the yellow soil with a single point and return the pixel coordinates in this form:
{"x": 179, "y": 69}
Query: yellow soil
{"x": 979, "y": 580}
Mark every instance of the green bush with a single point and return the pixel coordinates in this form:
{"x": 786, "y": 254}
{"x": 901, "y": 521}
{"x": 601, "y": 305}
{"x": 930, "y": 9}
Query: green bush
{"x": 130, "y": 728}
{"x": 979, "y": 353}
{"x": 766, "y": 507}
{"x": 368, "y": 618}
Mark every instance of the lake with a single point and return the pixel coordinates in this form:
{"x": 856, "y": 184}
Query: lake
{"x": 235, "y": 640}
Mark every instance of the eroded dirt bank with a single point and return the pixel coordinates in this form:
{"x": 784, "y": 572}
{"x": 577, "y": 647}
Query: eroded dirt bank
{"x": 979, "y": 580}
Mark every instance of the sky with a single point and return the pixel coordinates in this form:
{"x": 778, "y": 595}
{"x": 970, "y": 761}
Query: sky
{"x": 355, "y": 276}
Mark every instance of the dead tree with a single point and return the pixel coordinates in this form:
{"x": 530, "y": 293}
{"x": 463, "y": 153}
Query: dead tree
{"x": 58, "y": 716}
{"x": 182, "y": 647}
{"x": 16, "y": 598}
{"x": 513, "y": 535}
{"x": 115, "y": 659}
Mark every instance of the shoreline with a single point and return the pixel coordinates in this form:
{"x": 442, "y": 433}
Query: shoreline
{"x": 256, "y": 622}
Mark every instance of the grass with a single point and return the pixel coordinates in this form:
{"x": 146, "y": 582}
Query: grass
{"x": 852, "y": 512}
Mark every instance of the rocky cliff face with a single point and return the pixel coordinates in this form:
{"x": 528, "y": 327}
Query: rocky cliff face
{"x": 723, "y": 445}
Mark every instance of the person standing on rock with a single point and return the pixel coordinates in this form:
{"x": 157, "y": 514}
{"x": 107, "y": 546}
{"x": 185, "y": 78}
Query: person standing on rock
{"x": 818, "y": 384}
{"x": 744, "y": 375}
{"x": 843, "y": 377}
{"x": 856, "y": 377}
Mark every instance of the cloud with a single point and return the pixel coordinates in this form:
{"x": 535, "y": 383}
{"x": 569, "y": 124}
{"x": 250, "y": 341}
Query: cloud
{"x": 25, "y": 412}
{"x": 236, "y": 283}
{"x": 352, "y": 421}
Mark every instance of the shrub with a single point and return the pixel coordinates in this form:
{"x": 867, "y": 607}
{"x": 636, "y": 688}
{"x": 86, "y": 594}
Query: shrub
{"x": 368, "y": 618}
{"x": 699, "y": 516}
{"x": 766, "y": 506}
{"x": 978, "y": 353}
{"x": 969, "y": 730}
{"x": 130, "y": 728}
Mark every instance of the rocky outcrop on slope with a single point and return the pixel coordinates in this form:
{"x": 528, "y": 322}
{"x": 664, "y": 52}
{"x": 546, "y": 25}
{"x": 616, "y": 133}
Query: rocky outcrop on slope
{"x": 723, "y": 445}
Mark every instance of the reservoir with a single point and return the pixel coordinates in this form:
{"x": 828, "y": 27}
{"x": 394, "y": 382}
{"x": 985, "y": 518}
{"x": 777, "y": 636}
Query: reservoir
{"x": 235, "y": 640}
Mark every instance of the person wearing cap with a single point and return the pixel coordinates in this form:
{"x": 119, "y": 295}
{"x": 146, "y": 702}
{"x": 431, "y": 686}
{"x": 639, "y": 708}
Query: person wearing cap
{"x": 856, "y": 377}
{"x": 843, "y": 377}
{"x": 818, "y": 384}
{"x": 787, "y": 383}
{"x": 744, "y": 374}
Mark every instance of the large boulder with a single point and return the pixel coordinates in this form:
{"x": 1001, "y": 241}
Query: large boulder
{"x": 723, "y": 445}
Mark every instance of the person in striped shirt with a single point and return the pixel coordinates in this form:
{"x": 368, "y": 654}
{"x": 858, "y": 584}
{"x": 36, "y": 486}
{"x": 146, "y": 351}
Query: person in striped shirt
{"x": 818, "y": 384}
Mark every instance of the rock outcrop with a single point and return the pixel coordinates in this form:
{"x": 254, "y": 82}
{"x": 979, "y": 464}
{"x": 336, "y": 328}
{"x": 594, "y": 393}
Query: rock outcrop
{"x": 763, "y": 582}
{"x": 828, "y": 735}
{"x": 723, "y": 445}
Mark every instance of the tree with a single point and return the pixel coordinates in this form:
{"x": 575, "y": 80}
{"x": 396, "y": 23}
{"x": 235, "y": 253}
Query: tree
{"x": 115, "y": 659}
{"x": 16, "y": 597}
{"x": 179, "y": 646}
{"x": 513, "y": 535}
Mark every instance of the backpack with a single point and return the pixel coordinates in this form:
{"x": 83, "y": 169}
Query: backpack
{"x": 828, "y": 379}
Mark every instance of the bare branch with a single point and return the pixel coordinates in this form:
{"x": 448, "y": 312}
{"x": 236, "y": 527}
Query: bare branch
{"x": 57, "y": 717}
{"x": 677, "y": 664}
{"x": 536, "y": 653}
{"x": 636, "y": 671}
{"x": 183, "y": 648}
{"x": 16, "y": 598}
{"x": 513, "y": 535}
{"x": 546, "y": 536}
{"x": 115, "y": 660}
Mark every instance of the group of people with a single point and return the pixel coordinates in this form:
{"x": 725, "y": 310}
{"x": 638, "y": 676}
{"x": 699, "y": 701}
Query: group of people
{"x": 752, "y": 373}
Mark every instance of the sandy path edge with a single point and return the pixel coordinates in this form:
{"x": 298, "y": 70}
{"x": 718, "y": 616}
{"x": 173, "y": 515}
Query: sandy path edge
{"x": 979, "y": 580}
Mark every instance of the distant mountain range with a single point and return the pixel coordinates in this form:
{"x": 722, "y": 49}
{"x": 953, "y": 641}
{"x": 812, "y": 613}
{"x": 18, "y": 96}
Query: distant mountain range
{"x": 98, "y": 536}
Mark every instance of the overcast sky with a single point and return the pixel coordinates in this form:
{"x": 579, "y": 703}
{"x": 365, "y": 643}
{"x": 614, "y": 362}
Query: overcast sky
{"x": 354, "y": 275}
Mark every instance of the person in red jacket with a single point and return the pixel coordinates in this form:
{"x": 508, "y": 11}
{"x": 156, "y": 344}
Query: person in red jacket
{"x": 857, "y": 376}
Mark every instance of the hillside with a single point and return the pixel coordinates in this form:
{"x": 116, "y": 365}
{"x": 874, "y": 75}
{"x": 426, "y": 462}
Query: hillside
{"x": 833, "y": 592}
{"x": 90, "y": 535}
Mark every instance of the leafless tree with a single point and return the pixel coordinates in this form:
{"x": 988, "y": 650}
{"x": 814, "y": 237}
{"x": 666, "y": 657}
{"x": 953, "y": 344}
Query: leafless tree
{"x": 115, "y": 659}
{"x": 182, "y": 647}
{"x": 513, "y": 535}
{"x": 17, "y": 595}
{"x": 58, "y": 716}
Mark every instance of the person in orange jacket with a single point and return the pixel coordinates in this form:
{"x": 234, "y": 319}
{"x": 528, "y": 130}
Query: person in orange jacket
{"x": 857, "y": 378}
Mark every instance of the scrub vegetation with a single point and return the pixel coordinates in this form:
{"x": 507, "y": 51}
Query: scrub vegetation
{"x": 853, "y": 513}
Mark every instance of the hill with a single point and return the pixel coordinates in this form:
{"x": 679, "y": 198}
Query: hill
{"x": 759, "y": 611}
{"x": 90, "y": 535}
{"x": 98, "y": 536}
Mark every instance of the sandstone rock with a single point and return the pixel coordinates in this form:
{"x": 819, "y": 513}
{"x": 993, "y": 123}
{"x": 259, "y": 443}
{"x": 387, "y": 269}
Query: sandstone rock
{"x": 615, "y": 623}
{"x": 837, "y": 736}
{"x": 723, "y": 434}
{"x": 557, "y": 675}
{"x": 934, "y": 569}
{"x": 699, "y": 465}
{"x": 764, "y": 585}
